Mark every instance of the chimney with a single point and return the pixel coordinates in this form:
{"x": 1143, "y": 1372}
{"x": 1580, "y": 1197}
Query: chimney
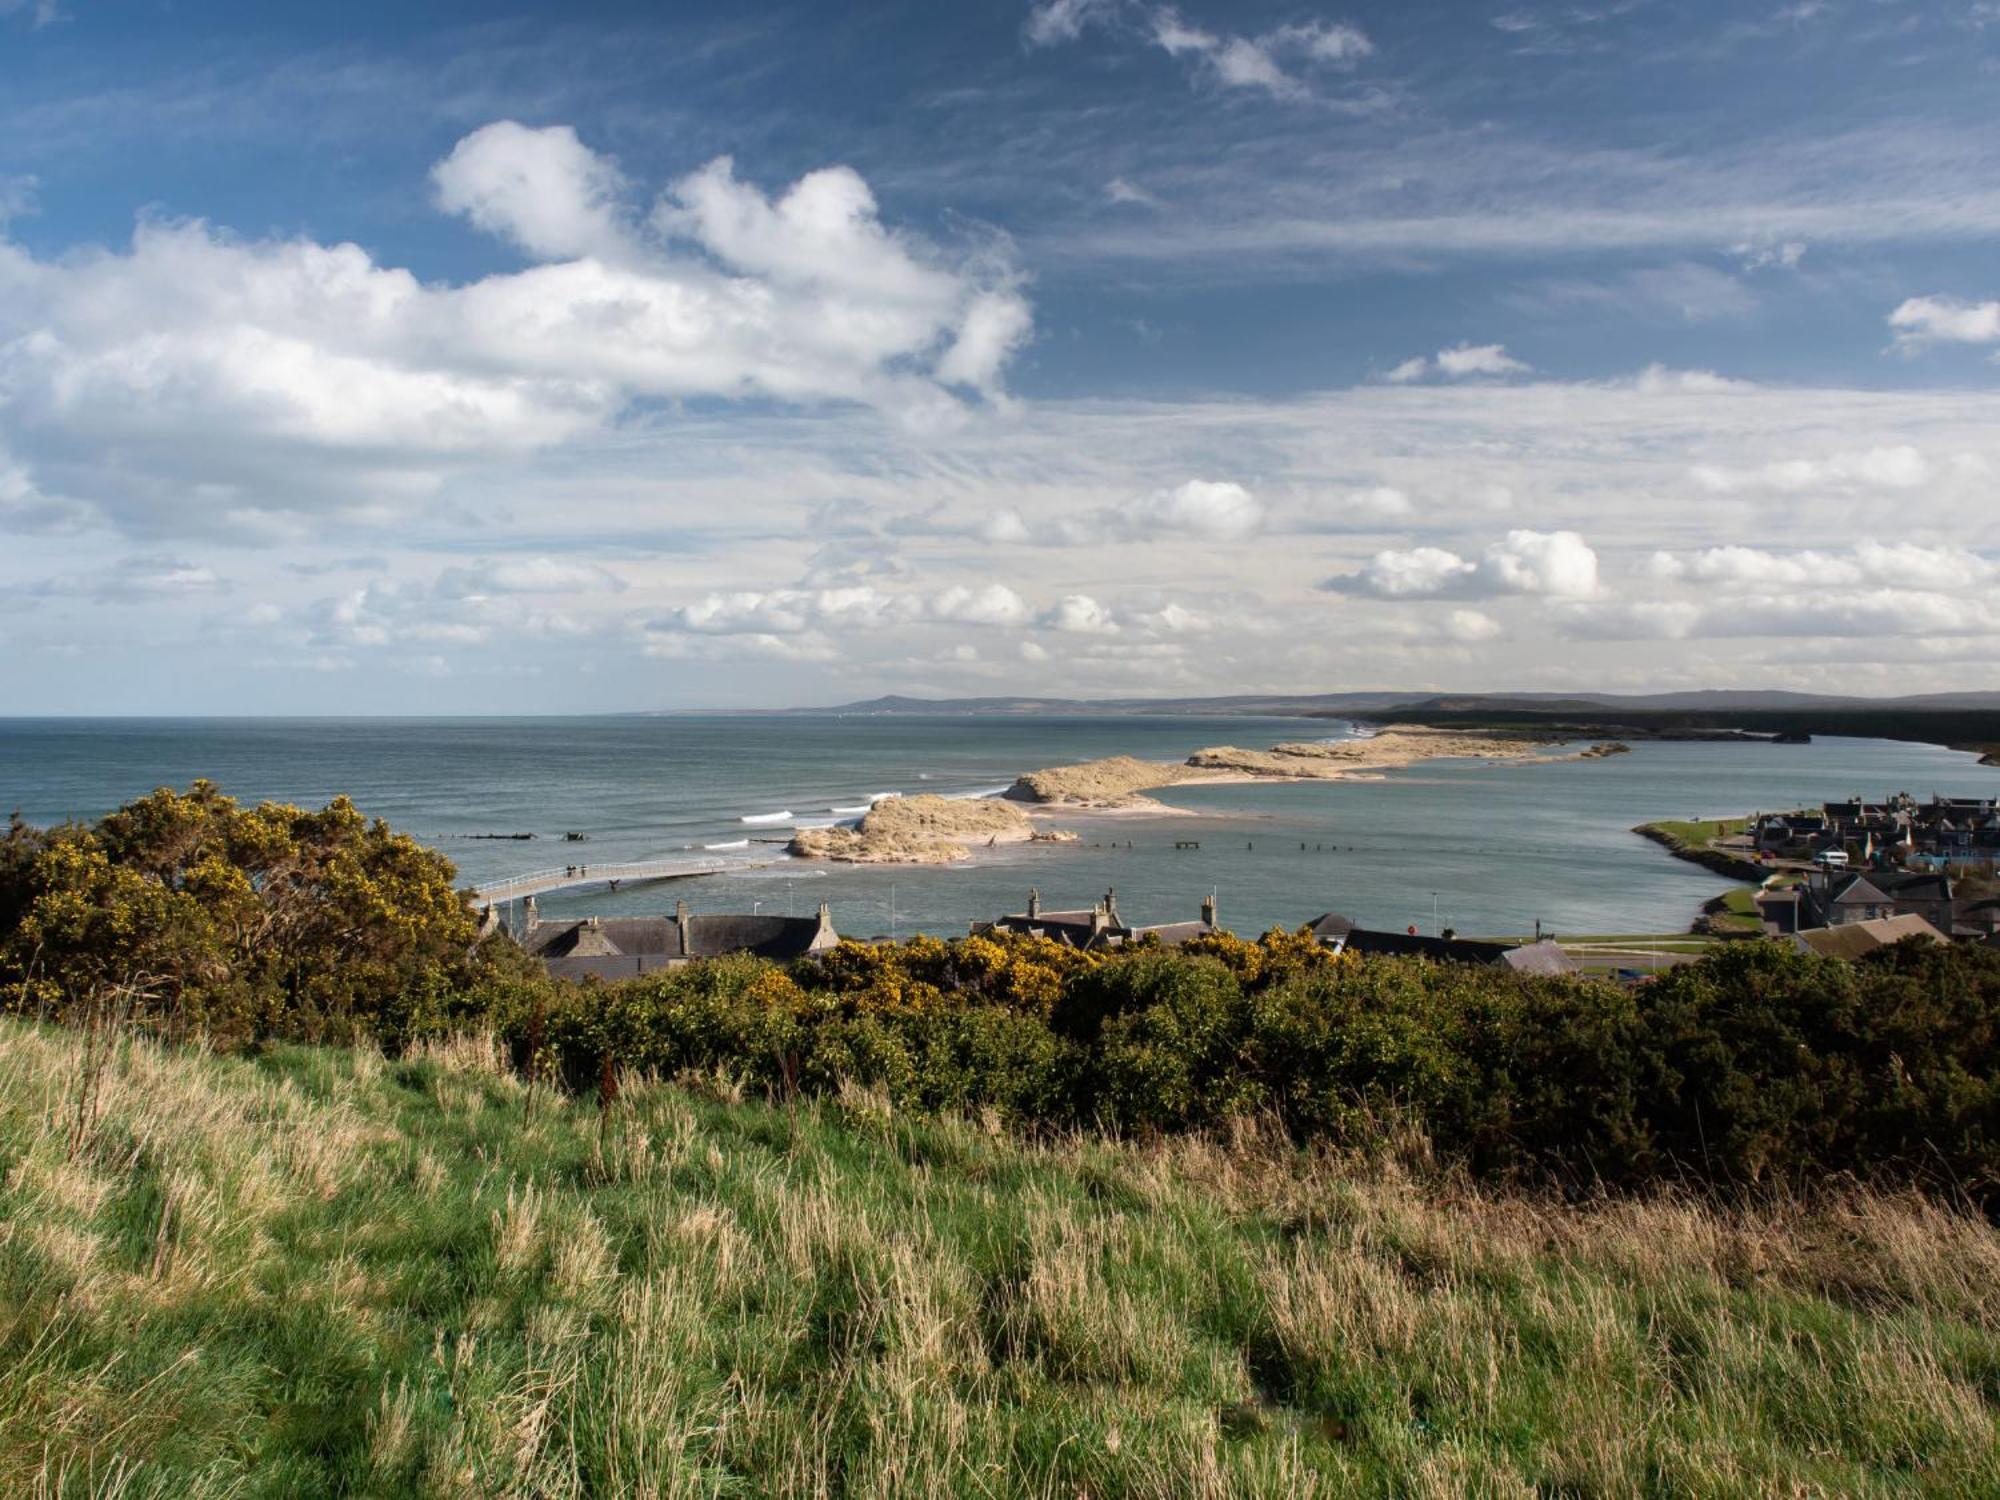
{"x": 530, "y": 913}
{"x": 1034, "y": 903}
{"x": 1099, "y": 919}
{"x": 825, "y": 936}
{"x": 1208, "y": 910}
{"x": 1111, "y": 907}
{"x": 681, "y": 925}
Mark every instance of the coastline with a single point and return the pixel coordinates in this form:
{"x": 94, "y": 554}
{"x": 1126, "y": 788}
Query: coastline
{"x": 929, "y": 830}
{"x": 1122, "y": 783}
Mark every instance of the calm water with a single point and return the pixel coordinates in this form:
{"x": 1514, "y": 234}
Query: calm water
{"x": 1499, "y": 845}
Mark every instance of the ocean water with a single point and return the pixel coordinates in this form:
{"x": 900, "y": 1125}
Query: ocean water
{"x": 1484, "y": 847}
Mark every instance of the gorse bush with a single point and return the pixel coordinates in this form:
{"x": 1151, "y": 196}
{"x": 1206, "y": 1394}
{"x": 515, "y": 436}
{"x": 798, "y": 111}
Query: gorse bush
{"x": 188, "y": 912}
{"x": 193, "y": 914}
{"x": 1756, "y": 1063}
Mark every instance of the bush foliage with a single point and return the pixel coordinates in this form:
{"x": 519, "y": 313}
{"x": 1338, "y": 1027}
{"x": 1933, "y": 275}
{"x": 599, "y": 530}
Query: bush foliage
{"x": 1756, "y": 1063}
{"x": 186, "y": 912}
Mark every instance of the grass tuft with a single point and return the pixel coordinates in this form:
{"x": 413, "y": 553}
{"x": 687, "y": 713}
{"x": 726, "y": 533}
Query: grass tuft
{"x": 317, "y": 1272}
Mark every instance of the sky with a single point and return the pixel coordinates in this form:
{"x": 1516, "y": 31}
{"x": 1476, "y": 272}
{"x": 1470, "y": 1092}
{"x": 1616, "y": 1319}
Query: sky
{"x": 465, "y": 358}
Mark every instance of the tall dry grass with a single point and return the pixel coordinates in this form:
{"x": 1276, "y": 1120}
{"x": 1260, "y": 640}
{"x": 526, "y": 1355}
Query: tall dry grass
{"x": 321, "y": 1272}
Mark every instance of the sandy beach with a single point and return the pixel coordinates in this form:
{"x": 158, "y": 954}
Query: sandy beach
{"x": 929, "y": 830}
{"x": 1120, "y": 783}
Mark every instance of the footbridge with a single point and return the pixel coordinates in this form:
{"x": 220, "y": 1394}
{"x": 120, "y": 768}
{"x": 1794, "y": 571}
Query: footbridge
{"x": 566, "y": 877}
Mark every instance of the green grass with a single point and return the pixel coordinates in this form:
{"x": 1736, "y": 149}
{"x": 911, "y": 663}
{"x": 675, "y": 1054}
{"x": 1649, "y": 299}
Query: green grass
{"x": 320, "y": 1273}
{"x": 1689, "y": 835}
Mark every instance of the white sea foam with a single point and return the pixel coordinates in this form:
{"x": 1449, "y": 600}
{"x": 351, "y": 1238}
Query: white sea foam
{"x": 729, "y": 844}
{"x": 975, "y": 795}
{"x": 851, "y": 812}
{"x": 767, "y": 818}
{"x": 874, "y": 797}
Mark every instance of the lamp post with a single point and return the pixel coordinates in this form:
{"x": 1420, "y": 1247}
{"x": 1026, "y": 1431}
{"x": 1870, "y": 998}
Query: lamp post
{"x": 1437, "y": 926}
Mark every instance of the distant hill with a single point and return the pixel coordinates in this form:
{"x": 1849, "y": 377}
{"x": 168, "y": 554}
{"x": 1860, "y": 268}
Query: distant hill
{"x": 1712, "y": 700}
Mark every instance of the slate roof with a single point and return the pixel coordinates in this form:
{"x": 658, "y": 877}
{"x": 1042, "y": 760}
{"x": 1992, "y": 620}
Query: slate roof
{"x": 1854, "y": 940}
{"x": 1545, "y": 957}
{"x": 622, "y": 947}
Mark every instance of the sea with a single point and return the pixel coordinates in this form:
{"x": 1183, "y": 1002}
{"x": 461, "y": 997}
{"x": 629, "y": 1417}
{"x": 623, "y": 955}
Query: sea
{"x": 1483, "y": 847}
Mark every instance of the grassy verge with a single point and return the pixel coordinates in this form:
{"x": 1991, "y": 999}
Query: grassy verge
{"x": 316, "y": 1272}
{"x": 1690, "y": 835}
{"x": 1692, "y": 841}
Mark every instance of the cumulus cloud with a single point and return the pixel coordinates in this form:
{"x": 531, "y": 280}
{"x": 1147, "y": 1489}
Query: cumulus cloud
{"x": 1198, "y": 509}
{"x": 543, "y": 189}
{"x": 1898, "y": 565}
{"x": 1460, "y": 362}
{"x": 1553, "y": 564}
{"x": 1898, "y": 467}
{"x": 1945, "y": 320}
{"x": 294, "y": 350}
{"x": 782, "y": 612}
{"x": 1079, "y": 614}
{"x": 1470, "y": 626}
{"x": 1213, "y": 510}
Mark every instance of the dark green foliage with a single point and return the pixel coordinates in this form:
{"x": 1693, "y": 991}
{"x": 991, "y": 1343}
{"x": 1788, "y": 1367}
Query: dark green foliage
{"x": 186, "y": 912}
{"x": 1756, "y": 1063}
{"x": 191, "y": 914}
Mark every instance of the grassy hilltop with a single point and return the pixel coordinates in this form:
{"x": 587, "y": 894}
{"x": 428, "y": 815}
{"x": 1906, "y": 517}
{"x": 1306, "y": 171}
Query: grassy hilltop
{"x": 308, "y": 1188}
{"x": 316, "y": 1272}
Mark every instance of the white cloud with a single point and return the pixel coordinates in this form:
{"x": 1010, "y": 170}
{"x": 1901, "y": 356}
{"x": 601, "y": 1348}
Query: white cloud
{"x": 1658, "y": 380}
{"x": 1892, "y": 613}
{"x": 993, "y": 329}
{"x": 1079, "y": 614}
{"x": 135, "y": 579}
{"x": 1897, "y": 467}
{"x": 1483, "y": 359}
{"x": 1381, "y": 502}
{"x": 1415, "y": 573}
{"x": 251, "y": 381}
{"x": 1900, "y": 565}
{"x": 782, "y": 612}
{"x": 528, "y": 575}
{"x": 1196, "y": 509}
{"x": 1054, "y": 21}
{"x": 1555, "y": 564}
{"x": 1766, "y": 257}
{"x": 1261, "y": 62}
{"x": 1471, "y": 625}
{"x": 1122, "y": 190}
{"x": 1460, "y": 362}
{"x": 543, "y": 189}
{"x": 995, "y": 604}
{"x": 1215, "y": 510}
{"x": 1945, "y": 320}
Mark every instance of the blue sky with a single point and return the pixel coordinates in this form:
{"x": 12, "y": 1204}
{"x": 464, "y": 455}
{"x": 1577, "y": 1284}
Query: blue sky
{"x": 467, "y": 358}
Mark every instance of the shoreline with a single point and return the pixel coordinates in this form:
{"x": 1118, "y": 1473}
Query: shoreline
{"x": 930, "y": 830}
{"x": 1123, "y": 782}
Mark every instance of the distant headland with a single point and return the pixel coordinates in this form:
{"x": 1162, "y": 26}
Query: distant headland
{"x": 1967, "y": 720}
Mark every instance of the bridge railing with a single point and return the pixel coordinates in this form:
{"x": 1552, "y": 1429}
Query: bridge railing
{"x": 557, "y": 877}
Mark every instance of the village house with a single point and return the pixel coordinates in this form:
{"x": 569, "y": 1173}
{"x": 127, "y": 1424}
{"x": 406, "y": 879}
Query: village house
{"x": 1098, "y": 927}
{"x": 1343, "y": 936}
{"x": 1898, "y": 832}
{"x": 625, "y": 947}
{"x": 1853, "y": 940}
